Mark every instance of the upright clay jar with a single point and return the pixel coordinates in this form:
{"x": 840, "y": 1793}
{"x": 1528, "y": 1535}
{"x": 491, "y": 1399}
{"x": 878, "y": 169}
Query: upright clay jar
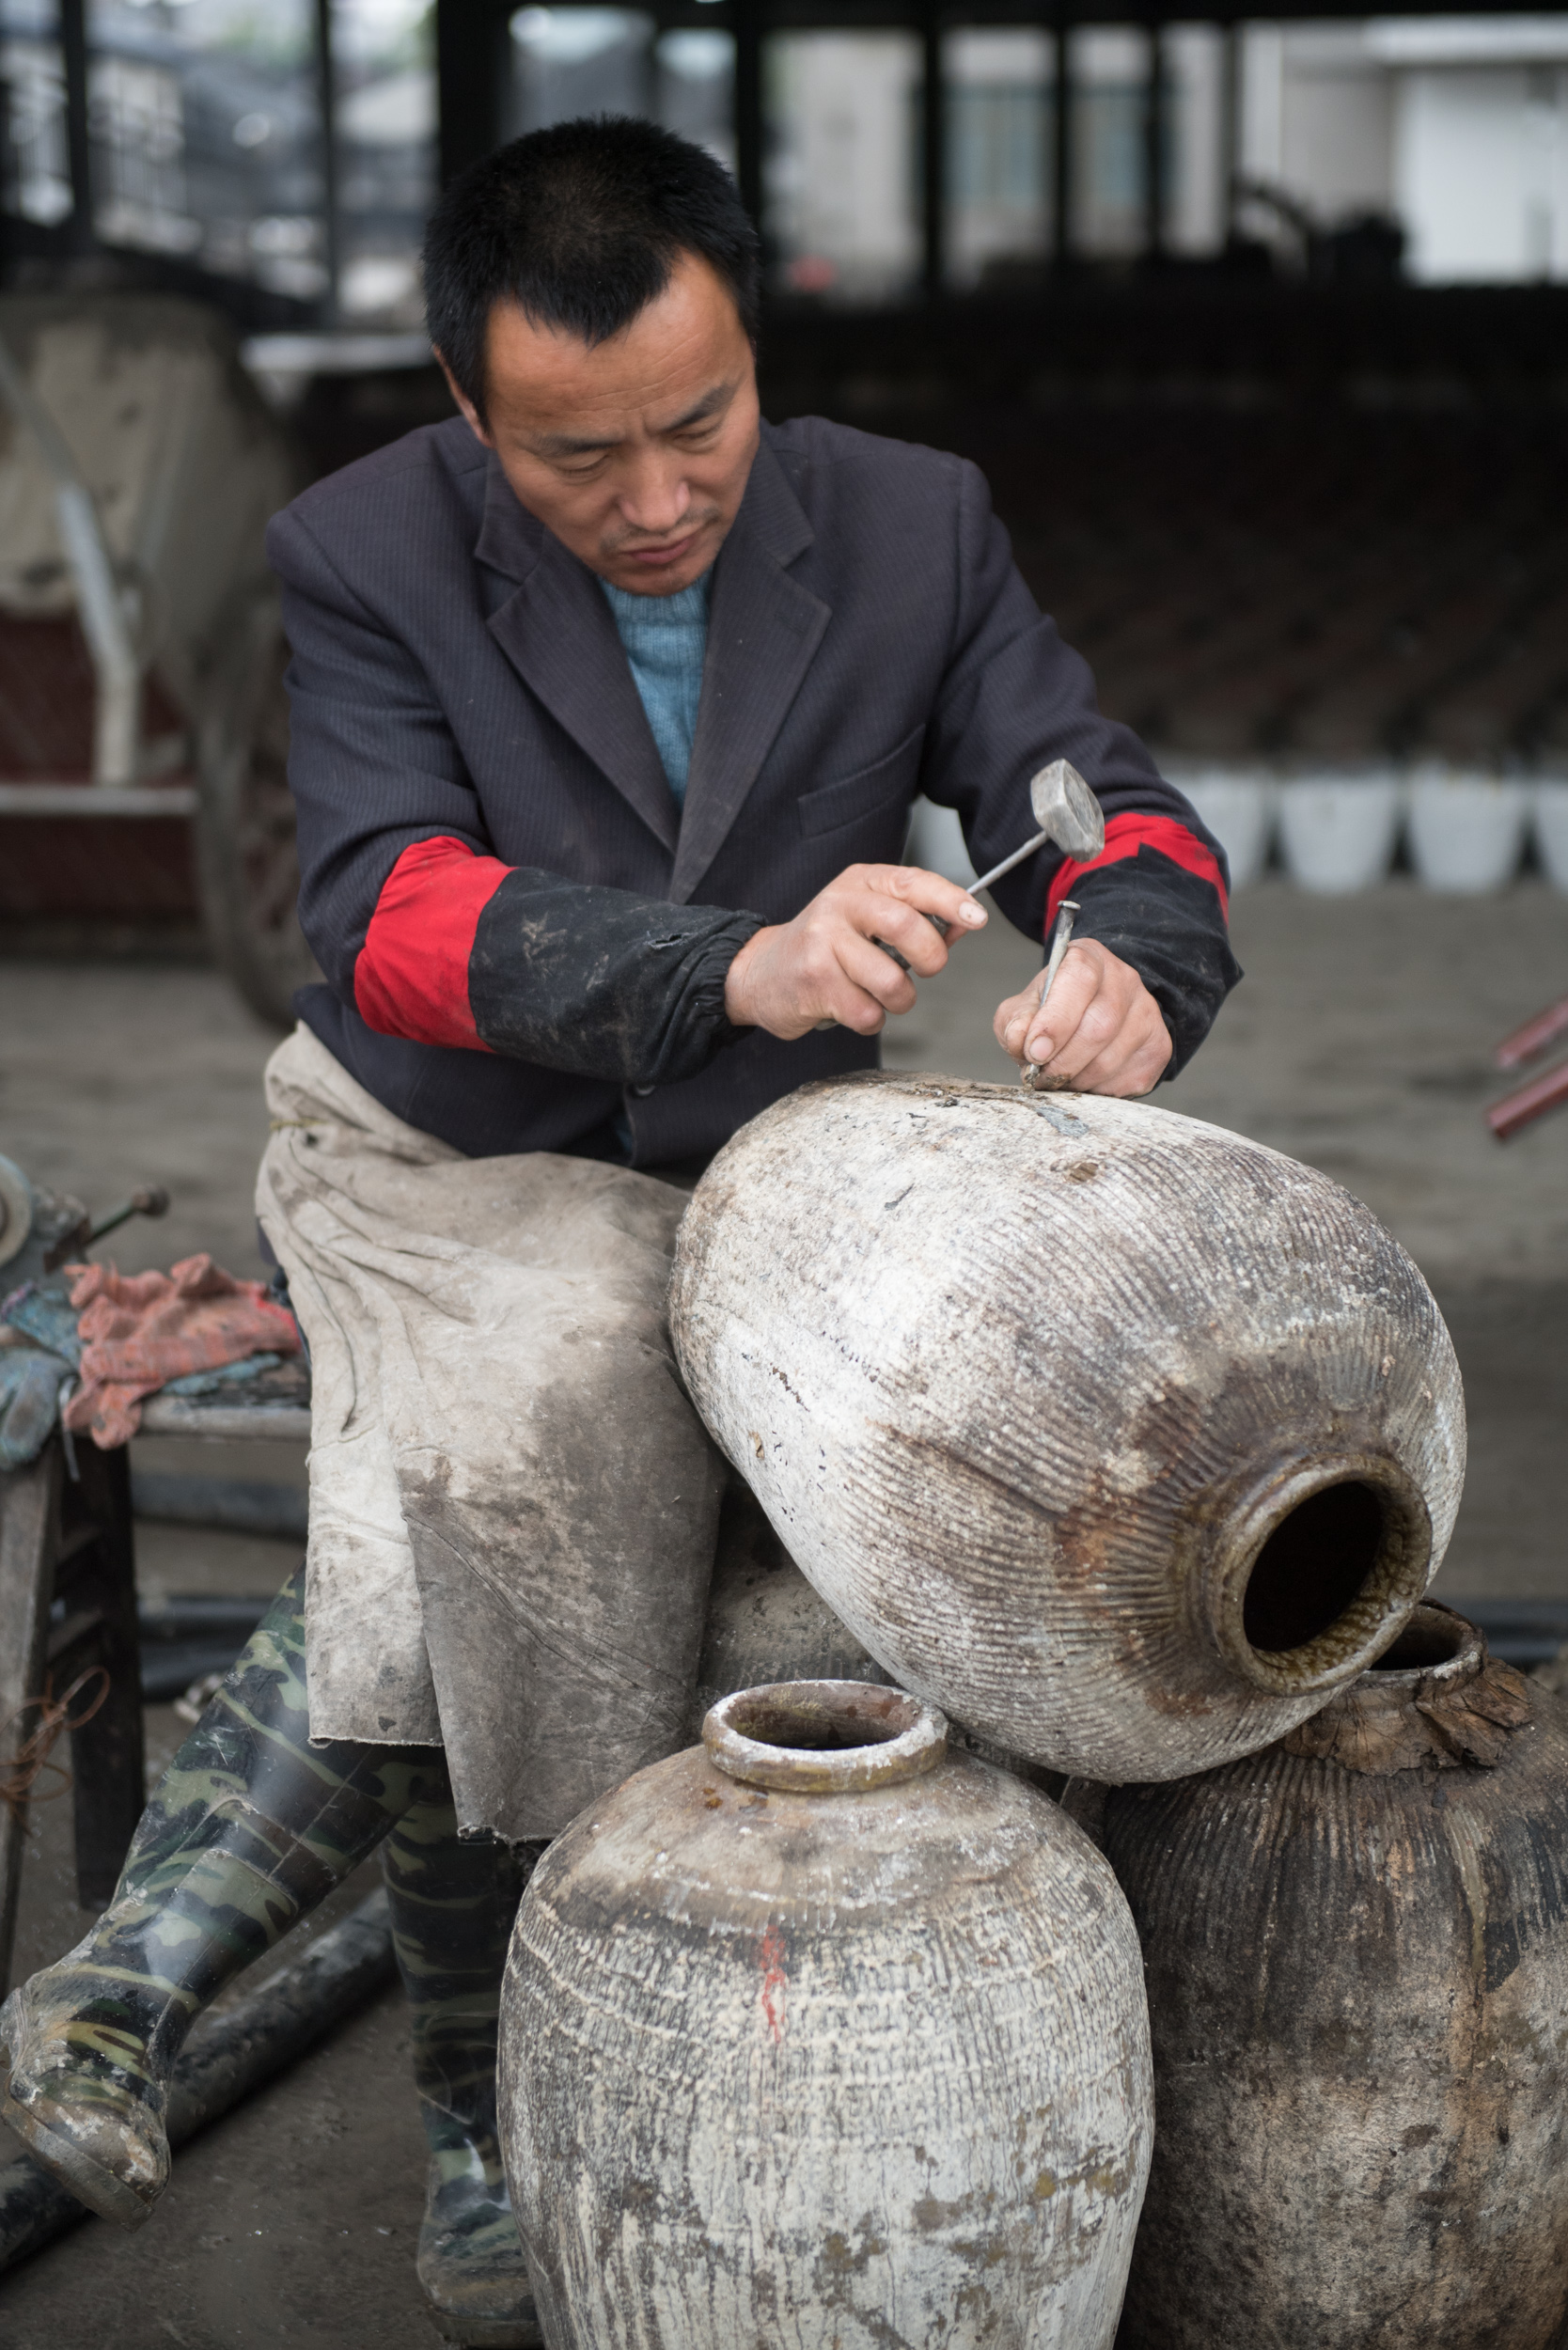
{"x": 819, "y": 2035}
{"x": 1357, "y": 1953}
{"x": 1120, "y": 1437}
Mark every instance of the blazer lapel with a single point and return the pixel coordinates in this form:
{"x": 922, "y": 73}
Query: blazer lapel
{"x": 559, "y": 635}
{"x": 763, "y": 628}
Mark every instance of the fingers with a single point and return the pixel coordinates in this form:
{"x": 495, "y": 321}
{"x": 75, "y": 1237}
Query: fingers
{"x": 1079, "y": 994}
{"x": 893, "y": 903}
{"x": 827, "y": 964}
{"x": 870, "y": 970}
{"x": 1135, "y": 1063}
{"x": 1100, "y": 1030}
{"x": 790, "y": 976}
{"x": 928, "y": 893}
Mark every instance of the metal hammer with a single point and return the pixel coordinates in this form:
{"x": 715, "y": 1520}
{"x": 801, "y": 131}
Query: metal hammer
{"x": 1068, "y": 813}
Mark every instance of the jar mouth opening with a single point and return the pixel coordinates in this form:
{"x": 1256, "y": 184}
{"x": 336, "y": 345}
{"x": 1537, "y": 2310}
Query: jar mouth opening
{"x": 1326, "y": 1562}
{"x": 823, "y": 1737}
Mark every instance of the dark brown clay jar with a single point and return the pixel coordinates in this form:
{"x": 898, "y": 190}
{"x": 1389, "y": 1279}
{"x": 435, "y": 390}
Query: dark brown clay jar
{"x": 1123, "y": 1439}
{"x": 819, "y": 2035}
{"x": 1355, "y": 1946}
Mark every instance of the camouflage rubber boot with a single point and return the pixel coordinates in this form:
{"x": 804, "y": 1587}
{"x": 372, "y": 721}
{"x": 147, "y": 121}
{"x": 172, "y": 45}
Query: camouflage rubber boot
{"x": 249, "y": 1829}
{"x": 453, "y": 1903}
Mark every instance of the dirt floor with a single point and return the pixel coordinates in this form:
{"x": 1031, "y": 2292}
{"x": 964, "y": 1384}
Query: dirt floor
{"x": 1359, "y": 1042}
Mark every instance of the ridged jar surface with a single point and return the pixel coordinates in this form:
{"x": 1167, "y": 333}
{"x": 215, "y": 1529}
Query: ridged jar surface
{"x": 983, "y": 1359}
{"x": 1358, "y": 1988}
{"x": 846, "y": 2072}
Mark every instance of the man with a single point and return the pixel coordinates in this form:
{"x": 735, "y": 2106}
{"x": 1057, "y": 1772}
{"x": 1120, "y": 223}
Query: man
{"x": 609, "y": 704}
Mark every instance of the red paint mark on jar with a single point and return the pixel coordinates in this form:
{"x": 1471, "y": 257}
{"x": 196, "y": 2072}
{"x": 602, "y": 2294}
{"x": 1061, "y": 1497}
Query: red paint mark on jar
{"x": 771, "y": 1955}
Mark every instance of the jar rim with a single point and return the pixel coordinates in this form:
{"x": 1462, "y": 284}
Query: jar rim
{"x": 1461, "y": 1647}
{"x": 1395, "y": 1579}
{"x": 824, "y": 1737}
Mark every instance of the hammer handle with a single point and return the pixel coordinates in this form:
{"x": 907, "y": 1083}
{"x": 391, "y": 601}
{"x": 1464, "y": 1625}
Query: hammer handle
{"x": 984, "y": 882}
{"x": 994, "y": 876}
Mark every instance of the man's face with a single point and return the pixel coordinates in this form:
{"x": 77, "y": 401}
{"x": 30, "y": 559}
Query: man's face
{"x": 634, "y": 453}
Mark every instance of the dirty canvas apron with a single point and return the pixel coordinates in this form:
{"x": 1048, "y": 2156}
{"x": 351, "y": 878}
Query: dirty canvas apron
{"x": 514, "y": 1508}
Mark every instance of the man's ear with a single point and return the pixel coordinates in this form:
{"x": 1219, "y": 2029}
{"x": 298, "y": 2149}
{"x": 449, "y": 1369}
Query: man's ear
{"x": 469, "y": 414}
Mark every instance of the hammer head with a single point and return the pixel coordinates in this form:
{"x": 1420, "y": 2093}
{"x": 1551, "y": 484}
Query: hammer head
{"x": 1065, "y": 808}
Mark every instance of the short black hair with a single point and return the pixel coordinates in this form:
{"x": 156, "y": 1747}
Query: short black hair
{"x": 581, "y": 226}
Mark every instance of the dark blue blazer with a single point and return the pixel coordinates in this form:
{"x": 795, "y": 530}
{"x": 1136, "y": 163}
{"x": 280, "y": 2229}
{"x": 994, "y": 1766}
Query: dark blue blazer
{"x": 455, "y": 676}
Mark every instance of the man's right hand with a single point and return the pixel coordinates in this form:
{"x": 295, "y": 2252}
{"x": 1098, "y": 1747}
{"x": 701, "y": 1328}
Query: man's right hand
{"x": 793, "y": 975}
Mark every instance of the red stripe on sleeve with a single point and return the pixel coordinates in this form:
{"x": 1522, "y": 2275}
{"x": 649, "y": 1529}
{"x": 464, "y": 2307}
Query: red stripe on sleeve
{"x": 1124, "y": 837}
{"x": 412, "y": 975}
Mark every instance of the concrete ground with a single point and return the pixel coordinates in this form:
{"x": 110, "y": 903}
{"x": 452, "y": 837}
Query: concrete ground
{"x": 1359, "y": 1042}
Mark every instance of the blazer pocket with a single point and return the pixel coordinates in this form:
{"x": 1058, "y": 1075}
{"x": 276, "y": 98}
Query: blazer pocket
{"x": 866, "y": 793}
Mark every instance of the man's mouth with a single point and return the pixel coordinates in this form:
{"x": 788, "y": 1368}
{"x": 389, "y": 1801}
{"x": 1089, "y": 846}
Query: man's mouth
{"x": 660, "y": 558}
{"x": 666, "y": 551}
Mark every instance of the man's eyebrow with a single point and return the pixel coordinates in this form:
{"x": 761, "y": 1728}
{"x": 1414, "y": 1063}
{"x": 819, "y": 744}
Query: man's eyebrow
{"x": 574, "y": 445}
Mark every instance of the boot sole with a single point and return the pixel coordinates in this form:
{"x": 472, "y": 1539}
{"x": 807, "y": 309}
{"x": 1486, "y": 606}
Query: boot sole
{"x": 101, "y": 2192}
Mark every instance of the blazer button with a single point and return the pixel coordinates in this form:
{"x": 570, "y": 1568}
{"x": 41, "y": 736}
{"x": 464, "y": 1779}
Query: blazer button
{"x": 642, "y": 1092}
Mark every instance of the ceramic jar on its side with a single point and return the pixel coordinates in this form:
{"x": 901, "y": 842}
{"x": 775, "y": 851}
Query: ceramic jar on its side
{"x": 1122, "y": 1439}
{"x": 821, "y": 2033}
{"x": 1357, "y": 1953}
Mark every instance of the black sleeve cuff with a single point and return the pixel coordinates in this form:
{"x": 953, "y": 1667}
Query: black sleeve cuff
{"x": 602, "y": 983}
{"x": 1170, "y": 925}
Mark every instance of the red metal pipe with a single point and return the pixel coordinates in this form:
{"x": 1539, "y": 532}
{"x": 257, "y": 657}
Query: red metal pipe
{"x": 1531, "y": 1101}
{"x": 1533, "y": 1037}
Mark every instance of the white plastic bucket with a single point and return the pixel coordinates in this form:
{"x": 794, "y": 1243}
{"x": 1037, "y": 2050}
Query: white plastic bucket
{"x": 1337, "y": 829}
{"x": 1238, "y": 808}
{"x": 1466, "y": 827}
{"x": 1550, "y": 796}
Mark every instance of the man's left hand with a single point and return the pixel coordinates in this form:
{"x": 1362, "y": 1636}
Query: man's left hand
{"x": 1101, "y": 1028}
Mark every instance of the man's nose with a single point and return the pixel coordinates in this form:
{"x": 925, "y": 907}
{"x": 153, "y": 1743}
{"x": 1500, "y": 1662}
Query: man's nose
{"x": 657, "y": 496}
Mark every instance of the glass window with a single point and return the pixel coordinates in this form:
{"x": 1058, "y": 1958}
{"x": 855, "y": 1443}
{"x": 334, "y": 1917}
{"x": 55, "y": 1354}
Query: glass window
{"x": 694, "y": 89}
{"x": 570, "y": 61}
{"x": 206, "y": 135}
{"x": 34, "y": 164}
{"x": 1195, "y": 132}
{"x": 383, "y": 59}
{"x": 580, "y": 61}
{"x": 999, "y": 212}
{"x": 1110, "y": 70}
{"x": 841, "y": 169}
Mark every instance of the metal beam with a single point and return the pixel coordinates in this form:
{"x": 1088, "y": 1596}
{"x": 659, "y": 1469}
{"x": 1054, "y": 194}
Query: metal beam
{"x": 822, "y": 15}
{"x": 326, "y": 97}
{"x": 73, "y": 65}
{"x": 1154, "y": 142}
{"x": 745, "y": 18}
{"x": 1229, "y": 126}
{"x": 933, "y": 149}
{"x": 1061, "y": 140}
{"x": 473, "y": 70}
